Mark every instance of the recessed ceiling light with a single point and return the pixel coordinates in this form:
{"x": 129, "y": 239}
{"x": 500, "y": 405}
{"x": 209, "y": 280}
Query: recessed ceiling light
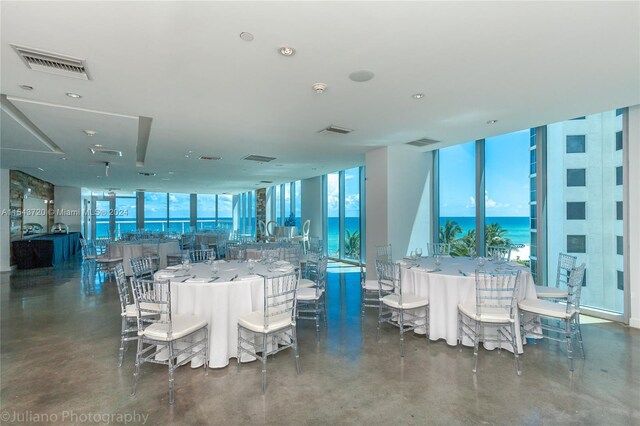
{"x": 361, "y": 76}
{"x": 287, "y": 51}
{"x": 41, "y": 169}
{"x": 492, "y": 121}
{"x": 246, "y": 36}
{"x": 417, "y": 95}
{"x": 73, "y": 95}
{"x": 98, "y": 145}
{"x": 26, "y": 87}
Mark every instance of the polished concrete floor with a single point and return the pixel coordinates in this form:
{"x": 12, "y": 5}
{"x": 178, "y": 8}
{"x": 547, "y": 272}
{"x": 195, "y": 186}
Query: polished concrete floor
{"x": 59, "y": 348}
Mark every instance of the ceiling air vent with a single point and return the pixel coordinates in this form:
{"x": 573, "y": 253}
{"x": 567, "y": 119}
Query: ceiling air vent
{"x": 266, "y": 181}
{"x": 423, "y": 142}
{"x": 336, "y": 129}
{"x": 204, "y": 157}
{"x": 146, "y": 173}
{"x": 52, "y": 63}
{"x": 259, "y": 158}
{"x": 106, "y": 152}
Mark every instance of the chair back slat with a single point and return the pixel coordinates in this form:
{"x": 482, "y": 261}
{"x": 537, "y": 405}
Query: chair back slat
{"x": 389, "y": 278}
{"x": 496, "y": 292}
{"x": 499, "y": 254}
{"x": 123, "y": 291}
{"x": 280, "y": 296}
{"x": 142, "y": 267}
{"x": 565, "y": 264}
{"x": 438, "y": 249}
{"x": 153, "y": 303}
{"x": 574, "y": 288}
{"x": 383, "y": 253}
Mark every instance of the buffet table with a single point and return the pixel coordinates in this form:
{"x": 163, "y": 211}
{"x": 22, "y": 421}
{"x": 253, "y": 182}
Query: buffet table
{"x": 45, "y": 250}
{"x": 222, "y": 302}
{"x": 452, "y": 285}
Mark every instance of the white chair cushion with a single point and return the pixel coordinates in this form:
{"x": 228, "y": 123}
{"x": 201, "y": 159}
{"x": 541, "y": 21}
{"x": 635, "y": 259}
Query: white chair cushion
{"x": 372, "y": 285}
{"x": 495, "y": 315}
{"x": 305, "y": 283}
{"x": 409, "y": 301}
{"x": 551, "y": 292}
{"x": 255, "y": 322}
{"x": 308, "y": 294}
{"x": 132, "y": 312}
{"x": 546, "y": 308}
{"x": 182, "y": 325}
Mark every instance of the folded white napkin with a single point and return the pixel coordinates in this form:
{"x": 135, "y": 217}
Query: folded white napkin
{"x": 247, "y": 277}
{"x": 199, "y": 280}
{"x": 173, "y": 267}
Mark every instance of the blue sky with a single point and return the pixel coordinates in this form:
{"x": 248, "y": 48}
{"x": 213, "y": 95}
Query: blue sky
{"x": 506, "y": 177}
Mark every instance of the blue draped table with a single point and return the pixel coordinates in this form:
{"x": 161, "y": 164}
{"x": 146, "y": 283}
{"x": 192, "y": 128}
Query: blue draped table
{"x": 46, "y": 250}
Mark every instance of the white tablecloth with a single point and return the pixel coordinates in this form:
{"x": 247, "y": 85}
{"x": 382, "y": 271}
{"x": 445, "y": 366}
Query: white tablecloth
{"x": 221, "y": 302}
{"x": 447, "y": 288}
{"x": 132, "y": 250}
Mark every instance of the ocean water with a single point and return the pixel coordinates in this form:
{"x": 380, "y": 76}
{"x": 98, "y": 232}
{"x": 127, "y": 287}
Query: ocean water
{"x": 517, "y": 227}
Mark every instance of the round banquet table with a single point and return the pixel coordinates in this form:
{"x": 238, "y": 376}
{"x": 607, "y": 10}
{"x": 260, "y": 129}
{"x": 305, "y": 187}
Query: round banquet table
{"x": 131, "y": 250}
{"x": 453, "y": 284}
{"x": 222, "y": 302}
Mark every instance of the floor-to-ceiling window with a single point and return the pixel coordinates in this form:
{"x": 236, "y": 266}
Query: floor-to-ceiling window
{"x": 125, "y": 215}
{"x": 506, "y": 200}
{"x": 352, "y": 213}
{"x": 343, "y": 213}
{"x": 333, "y": 215}
{"x": 206, "y": 211}
{"x": 570, "y": 175}
{"x": 155, "y": 211}
{"x": 179, "y": 213}
{"x": 102, "y": 218}
{"x": 297, "y": 203}
{"x": 225, "y": 211}
{"x": 457, "y": 201}
{"x": 584, "y": 204}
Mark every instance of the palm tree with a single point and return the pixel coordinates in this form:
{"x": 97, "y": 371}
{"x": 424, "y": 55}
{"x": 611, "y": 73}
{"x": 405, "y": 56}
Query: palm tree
{"x": 466, "y": 245}
{"x": 450, "y": 231}
{"x": 352, "y": 244}
{"x": 494, "y": 235}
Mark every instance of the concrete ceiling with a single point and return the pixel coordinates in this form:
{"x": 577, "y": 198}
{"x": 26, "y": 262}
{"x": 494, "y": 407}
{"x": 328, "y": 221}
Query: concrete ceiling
{"x": 208, "y": 92}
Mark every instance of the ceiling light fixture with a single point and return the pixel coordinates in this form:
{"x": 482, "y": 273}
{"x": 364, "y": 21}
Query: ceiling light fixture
{"x": 418, "y": 95}
{"x": 287, "y": 51}
{"x": 361, "y": 76}
{"x": 319, "y": 88}
{"x": 41, "y": 169}
{"x": 98, "y": 145}
{"x": 492, "y": 121}
{"x": 26, "y": 87}
{"x": 73, "y": 95}
{"x": 246, "y": 36}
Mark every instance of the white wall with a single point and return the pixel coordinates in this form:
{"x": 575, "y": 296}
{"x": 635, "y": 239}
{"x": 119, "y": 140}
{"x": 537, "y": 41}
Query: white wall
{"x": 5, "y": 221}
{"x": 409, "y": 209}
{"x": 376, "y": 205}
{"x": 68, "y": 207}
{"x": 633, "y": 218}
{"x": 398, "y": 206}
{"x": 311, "y": 205}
